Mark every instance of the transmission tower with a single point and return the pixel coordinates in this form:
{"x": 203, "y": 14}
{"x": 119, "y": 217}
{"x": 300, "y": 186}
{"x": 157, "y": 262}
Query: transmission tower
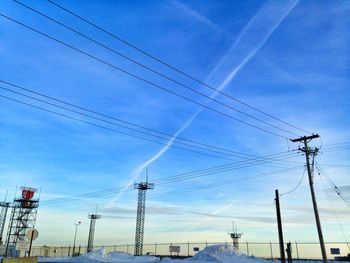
{"x": 23, "y": 217}
{"x": 3, "y": 214}
{"x": 92, "y": 218}
{"x": 140, "y": 220}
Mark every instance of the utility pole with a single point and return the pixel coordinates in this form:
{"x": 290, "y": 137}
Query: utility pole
{"x": 313, "y": 151}
{"x": 279, "y": 225}
{"x": 75, "y": 236}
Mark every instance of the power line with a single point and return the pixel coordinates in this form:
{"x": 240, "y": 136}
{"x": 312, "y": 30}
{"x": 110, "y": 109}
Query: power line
{"x": 172, "y": 67}
{"x": 207, "y": 186}
{"x": 165, "y": 180}
{"x": 149, "y": 68}
{"x": 297, "y": 186}
{"x": 221, "y": 169}
{"x": 339, "y": 143}
{"x": 99, "y": 119}
{"x": 335, "y": 188}
{"x": 104, "y": 127}
{"x": 236, "y": 153}
{"x": 83, "y": 114}
{"x": 140, "y": 78}
{"x": 116, "y": 119}
{"x": 334, "y": 211}
{"x": 337, "y": 148}
{"x": 67, "y": 116}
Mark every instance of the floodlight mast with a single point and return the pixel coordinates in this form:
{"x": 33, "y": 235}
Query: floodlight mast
{"x": 140, "y": 219}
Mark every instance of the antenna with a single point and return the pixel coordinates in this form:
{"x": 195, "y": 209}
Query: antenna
{"x": 7, "y": 191}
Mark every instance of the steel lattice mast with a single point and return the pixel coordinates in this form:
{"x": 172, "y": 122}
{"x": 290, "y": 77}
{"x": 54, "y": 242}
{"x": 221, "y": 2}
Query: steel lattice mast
{"x": 23, "y": 217}
{"x": 140, "y": 220}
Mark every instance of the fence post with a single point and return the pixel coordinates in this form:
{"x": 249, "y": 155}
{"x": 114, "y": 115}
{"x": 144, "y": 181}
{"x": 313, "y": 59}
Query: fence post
{"x": 247, "y": 247}
{"x": 289, "y": 252}
{"x": 79, "y": 250}
{"x": 68, "y": 251}
{"x": 271, "y": 250}
{"x": 188, "y": 248}
{"x": 296, "y": 247}
{"x": 155, "y": 248}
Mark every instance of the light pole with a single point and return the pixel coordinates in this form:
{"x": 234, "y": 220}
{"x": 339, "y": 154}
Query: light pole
{"x": 75, "y": 236}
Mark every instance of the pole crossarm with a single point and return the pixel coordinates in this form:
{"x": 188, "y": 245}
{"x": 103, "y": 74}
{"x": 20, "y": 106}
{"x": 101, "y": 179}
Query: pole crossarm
{"x": 306, "y": 138}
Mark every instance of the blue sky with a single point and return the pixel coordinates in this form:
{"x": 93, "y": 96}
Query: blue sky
{"x": 289, "y": 59}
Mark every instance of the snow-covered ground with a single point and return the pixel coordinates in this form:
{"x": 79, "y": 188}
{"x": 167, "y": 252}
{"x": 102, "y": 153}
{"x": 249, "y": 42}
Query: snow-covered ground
{"x": 212, "y": 254}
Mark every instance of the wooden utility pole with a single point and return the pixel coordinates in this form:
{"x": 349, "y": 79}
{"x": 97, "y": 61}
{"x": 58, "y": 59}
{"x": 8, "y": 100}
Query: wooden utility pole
{"x": 279, "y": 225}
{"x": 310, "y": 151}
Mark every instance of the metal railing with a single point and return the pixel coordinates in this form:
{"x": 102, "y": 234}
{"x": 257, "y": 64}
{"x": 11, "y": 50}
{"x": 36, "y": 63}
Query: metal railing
{"x": 267, "y": 250}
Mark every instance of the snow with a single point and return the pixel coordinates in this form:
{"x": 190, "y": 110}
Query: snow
{"x": 212, "y": 254}
{"x": 223, "y": 254}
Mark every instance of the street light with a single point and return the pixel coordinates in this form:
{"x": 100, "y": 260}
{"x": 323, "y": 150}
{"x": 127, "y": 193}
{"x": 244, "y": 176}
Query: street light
{"x": 75, "y": 236}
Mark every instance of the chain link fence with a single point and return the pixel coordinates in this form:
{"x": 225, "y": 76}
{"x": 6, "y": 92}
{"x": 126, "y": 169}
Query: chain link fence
{"x": 267, "y": 250}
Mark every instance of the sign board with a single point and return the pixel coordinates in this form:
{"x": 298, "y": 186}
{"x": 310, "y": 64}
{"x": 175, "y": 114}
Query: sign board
{"x": 32, "y": 234}
{"x": 22, "y": 245}
{"x": 196, "y": 249}
{"x": 175, "y": 249}
{"x": 335, "y": 251}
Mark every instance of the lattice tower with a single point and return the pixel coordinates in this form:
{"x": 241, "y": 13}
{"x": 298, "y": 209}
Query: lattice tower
{"x": 140, "y": 220}
{"x": 23, "y": 216}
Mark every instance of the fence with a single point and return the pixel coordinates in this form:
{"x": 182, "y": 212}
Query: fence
{"x": 267, "y": 250}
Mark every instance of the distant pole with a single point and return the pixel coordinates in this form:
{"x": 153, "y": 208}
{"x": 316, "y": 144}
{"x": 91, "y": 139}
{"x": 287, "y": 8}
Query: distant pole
{"x": 279, "y": 225}
{"x": 93, "y": 218}
{"x": 289, "y": 252}
{"x": 313, "y": 151}
{"x": 4, "y": 206}
{"x": 31, "y": 242}
{"x": 75, "y": 236}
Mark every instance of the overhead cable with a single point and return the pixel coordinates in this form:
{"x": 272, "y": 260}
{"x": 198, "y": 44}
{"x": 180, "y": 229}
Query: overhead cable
{"x": 141, "y": 78}
{"x": 151, "y": 69}
{"x": 171, "y": 66}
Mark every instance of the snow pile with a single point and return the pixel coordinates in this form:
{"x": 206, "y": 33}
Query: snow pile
{"x": 99, "y": 256}
{"x": 212, "y": 254}
{"x": 223, "y": 254}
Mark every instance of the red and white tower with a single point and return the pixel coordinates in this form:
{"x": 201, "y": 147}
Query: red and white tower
{"x": 23, "y": 217}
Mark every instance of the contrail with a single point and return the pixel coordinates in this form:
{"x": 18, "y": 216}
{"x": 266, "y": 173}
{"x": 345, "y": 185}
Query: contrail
{"x": 253, "y": 36}
{"x": 200, "y": 18}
